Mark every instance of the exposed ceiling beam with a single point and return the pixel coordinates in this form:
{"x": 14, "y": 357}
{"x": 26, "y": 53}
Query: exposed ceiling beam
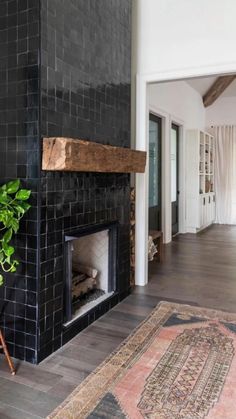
{"x": 217, "y": 89}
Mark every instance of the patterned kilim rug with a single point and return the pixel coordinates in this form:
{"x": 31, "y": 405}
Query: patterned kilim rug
{"x": 179, "y": 363}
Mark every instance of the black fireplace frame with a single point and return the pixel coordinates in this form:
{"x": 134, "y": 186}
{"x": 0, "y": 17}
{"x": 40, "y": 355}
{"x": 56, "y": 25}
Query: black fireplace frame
{"x": 113, "y": 237}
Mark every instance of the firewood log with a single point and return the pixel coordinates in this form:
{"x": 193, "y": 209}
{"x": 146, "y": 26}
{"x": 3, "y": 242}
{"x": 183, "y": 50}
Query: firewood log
{"x": 88, "y": 270}
{"x": 78, "y": 278}
{"x": 83, "y": 287}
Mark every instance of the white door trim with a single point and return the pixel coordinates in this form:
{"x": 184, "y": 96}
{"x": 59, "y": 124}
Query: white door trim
{"x": 141, "y": 236}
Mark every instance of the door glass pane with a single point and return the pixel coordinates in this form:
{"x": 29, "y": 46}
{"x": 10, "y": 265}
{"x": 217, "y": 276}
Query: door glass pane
{"x": 153, "y": 163}
{"x": 173, "y": 165}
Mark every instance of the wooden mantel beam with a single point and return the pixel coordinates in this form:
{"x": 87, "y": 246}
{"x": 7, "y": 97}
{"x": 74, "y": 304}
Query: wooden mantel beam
{"x": 217, "y": 89}
{"x": 75, "y": 155}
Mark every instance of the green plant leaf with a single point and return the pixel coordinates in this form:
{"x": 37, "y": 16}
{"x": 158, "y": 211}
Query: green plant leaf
{"x": 15, "y": 225}
{"x": 23, "y": 194}
{"x": 21, "y": 207}
{"x": 25, "y": 206}
{"x": 8, "y": 260}
{"x": 3, "y": 197}
{"x": 6, "y": 217}
{"x": 9, "y": 219}
{"x": 8, "y": 250}
{"x": 7, "y": 236}
{"x": 13, "y": 186}
{"x": 13, "y": 206}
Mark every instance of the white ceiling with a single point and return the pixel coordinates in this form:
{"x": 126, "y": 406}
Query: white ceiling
{"x": 201, "y": 85}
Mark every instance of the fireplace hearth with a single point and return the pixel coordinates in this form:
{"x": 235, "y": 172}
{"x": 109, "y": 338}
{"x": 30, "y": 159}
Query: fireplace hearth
{"x": 90, "y": 269}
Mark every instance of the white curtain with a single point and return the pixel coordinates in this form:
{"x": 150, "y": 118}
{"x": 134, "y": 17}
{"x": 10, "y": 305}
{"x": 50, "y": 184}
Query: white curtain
{"x": 225, "y": 174}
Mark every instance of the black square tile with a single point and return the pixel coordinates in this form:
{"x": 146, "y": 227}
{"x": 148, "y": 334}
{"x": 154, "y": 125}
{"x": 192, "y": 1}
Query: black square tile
{"x": 80, "y": 97}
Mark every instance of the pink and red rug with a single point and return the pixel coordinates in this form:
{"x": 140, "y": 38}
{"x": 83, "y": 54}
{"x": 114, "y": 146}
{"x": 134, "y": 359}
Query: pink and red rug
{"x": 179, "y": 364}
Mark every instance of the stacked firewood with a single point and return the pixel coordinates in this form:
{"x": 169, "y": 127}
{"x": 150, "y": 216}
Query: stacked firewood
{"x": 84, "y": 280}
{"x": 132, "y": 237}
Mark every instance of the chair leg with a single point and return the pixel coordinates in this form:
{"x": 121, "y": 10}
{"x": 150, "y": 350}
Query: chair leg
{"x": 6, "y": 353}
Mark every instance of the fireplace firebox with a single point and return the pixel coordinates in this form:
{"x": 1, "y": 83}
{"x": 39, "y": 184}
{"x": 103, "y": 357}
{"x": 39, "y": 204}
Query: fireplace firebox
{"x": 90, "y": 269}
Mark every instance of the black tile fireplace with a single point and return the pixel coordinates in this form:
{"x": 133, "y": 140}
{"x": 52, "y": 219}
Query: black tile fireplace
{"x": 64, "y": 71}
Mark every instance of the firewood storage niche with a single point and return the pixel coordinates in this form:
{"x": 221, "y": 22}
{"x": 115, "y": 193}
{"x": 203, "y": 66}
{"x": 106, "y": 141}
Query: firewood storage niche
{"x": 90, "y": 269}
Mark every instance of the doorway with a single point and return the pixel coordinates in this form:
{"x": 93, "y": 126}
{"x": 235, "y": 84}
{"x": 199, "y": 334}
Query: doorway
{"x": 175, "y": 178}
{"x": 166, "y": 102}
{"x": 155, "y": 136}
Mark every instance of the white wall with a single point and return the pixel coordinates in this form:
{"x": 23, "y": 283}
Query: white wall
{"x": 134, "y": 59}
{"x": 179, "y": 100}
{"x": 177, "y": 34}
{"x": 222, "y": 112}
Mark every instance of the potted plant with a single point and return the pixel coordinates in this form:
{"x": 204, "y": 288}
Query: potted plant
{"x": 13, "y": 206}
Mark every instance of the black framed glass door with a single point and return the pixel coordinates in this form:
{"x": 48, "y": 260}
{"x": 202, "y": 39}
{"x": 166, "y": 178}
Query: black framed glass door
{"x": 175, "y": 178}
{"x": 155, "y": 135}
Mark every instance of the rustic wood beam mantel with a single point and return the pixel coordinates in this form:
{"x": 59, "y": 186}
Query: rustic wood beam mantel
{"x": 217, "y": 89}
{"x": 75, "y": 155}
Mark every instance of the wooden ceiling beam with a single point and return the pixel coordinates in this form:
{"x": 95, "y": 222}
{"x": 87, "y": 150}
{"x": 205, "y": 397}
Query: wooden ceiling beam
{"x": 217, "y": 89}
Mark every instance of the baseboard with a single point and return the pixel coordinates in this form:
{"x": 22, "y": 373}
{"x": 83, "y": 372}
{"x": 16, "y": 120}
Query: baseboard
{"x": 191, "y": 230}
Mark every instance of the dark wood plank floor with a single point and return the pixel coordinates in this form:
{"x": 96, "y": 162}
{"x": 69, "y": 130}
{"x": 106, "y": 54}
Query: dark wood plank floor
{"x": 197, "y": 269}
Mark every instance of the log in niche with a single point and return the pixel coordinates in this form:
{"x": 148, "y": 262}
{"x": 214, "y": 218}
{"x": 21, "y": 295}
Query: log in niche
{"x": 75, "y": 155}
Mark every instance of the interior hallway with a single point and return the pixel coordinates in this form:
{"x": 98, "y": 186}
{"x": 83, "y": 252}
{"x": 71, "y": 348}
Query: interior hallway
{"x": 197, "y": 269}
